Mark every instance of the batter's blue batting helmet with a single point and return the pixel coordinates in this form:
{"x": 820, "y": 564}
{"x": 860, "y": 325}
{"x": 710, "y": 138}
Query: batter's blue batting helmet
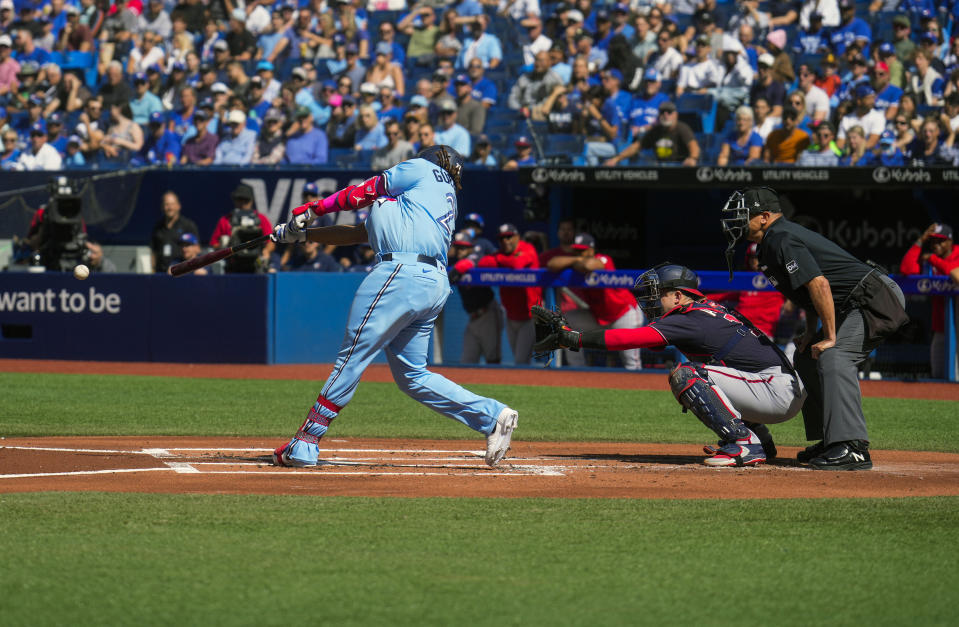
{"x": 445, "y": 157}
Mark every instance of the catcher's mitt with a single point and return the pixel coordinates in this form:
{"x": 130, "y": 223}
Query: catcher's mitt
{"x": 552, "y": 331}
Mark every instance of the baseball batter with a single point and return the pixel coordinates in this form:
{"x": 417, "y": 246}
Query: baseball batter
{"x": 736, "y": 382}
{"x": 409, "y": 227}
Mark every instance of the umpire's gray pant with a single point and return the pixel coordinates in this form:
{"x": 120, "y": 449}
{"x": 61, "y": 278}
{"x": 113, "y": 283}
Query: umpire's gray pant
{"x": 833, "y": 411}
{"x": 483, "y": 335}
{"x": 521, "y": 335}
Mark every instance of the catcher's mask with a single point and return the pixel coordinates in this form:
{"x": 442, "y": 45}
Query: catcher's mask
{"x": 741, "y": 206}
{"x": 445, "y": 157}
{"x": 666, "y": 277}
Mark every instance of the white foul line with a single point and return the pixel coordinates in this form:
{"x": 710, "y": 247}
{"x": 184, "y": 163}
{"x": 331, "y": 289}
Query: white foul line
{"x": 80, "y": 472}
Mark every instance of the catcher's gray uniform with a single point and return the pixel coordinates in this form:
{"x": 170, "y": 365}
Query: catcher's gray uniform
{"x": 768, "y": 397}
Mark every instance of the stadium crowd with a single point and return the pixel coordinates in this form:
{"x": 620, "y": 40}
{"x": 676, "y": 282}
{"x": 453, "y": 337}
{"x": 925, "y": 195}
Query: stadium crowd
{"x": 354, "y": 83}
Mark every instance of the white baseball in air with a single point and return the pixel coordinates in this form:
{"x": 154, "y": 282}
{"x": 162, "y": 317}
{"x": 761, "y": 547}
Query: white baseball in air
{"x": 81, "y": 272}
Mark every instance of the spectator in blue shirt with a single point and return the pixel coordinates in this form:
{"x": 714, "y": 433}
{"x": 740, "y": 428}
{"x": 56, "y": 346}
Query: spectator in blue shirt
{"x": 887, "y": 94}
{"x": 858, "y": 156}
{"x": 483, "y": 153}
{"x": 388, "y": 35}
{"x": 27, "y": 50}
{"x": 812, "y": 40}
{"x": 596, "y": 57}
{"x": 480, "y": 45}
{"x": 11, "y": 149}
{"x": 620, "y": 21}
{"x": 523, "y": 156}
{"x": 448, "y": 132}
{"x": 644, "y": 109}
{"x": 56, "y": 136}
{"x": 370, "y": 133}
{"x": 72, "y": 157}
{"x": 238, "y": 142}
{"x": 389, "y": 106}
{"x": 615, "y": 97}
{"x": 887, "y": 152}
{"x": 484, "y": 90}
{"x": 857, "y": 76}
{"x": 160, "y": 146}
{"x": 851, "y": 30}
{"x": 743, "y": 144}
{"x": 604, "y": 29}
{"x": 145, "y": 102}
{"x": 307, "y": 144}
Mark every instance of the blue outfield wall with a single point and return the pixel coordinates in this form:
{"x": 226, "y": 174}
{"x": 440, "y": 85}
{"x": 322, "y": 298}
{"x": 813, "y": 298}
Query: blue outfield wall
{"x": 126, "y": 317}
{"x": 310, "y": 310}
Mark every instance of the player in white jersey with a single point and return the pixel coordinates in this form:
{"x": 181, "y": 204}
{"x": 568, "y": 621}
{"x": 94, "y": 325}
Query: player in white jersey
{"x": 410, "y": 228}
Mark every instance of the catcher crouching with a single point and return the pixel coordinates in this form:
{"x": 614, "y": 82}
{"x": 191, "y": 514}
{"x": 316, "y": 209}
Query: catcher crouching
{"x": 737, "y": 380}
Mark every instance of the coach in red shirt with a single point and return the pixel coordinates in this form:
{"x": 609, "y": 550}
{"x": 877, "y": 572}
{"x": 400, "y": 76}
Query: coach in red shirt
{"x": 518, "y": 255}
{"x": 608, "y": 308}
{"x": 934, "y": 251}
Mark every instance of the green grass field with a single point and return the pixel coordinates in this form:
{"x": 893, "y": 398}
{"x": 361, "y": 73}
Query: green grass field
{"x": 122, "y": 559}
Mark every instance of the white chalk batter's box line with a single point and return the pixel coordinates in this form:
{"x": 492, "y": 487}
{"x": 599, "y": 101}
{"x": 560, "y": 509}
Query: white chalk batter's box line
{"x": 396, "y": 461}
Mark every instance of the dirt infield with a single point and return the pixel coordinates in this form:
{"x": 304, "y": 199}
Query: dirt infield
{"x": 453, "y": 468}
{"x": 615, "y": 379}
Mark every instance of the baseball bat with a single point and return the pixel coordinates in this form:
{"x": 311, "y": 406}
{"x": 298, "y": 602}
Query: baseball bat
{"x": 201, "y": 261}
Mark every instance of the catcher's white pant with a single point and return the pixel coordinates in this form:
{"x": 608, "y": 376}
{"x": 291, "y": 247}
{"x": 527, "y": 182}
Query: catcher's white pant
{"x": 767, "y": 397}
{"x": 483, "y": 335}
{"x": 521, "y": 335}
{"x": 584, "y": 320}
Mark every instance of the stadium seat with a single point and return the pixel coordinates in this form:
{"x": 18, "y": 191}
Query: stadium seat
{"x": 338, "y": 155}
{"x": 709, "y": 145}
{"x": 702, "y": 105}
{"x": 85, "y": 62}
{"x": 499, "y": 127}
{"x": 562, "y": 144}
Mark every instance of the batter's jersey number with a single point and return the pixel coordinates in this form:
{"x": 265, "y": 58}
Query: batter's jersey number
{"x": 447, "y": 219}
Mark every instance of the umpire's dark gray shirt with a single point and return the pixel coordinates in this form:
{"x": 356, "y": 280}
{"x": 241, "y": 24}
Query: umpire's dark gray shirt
{"x": 791, "y": 255}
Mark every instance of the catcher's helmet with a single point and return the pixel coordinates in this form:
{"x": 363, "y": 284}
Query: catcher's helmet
{"x": 652, "y": 284}
{"x": 739, "y": 208}
{"x": 445, "y": 157}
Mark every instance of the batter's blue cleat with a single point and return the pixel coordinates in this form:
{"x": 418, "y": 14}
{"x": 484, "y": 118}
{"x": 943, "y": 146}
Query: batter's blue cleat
{"x": 296, "y": 454}
{"x": 497, "y": 442}
{"x": 738, "y": 453}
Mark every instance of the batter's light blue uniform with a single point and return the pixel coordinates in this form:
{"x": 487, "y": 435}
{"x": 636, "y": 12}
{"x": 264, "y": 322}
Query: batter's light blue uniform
{"x": 396, "y": 305}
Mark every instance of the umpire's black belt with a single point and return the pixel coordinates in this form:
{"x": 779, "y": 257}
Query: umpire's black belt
{"x": 420, "y": 258}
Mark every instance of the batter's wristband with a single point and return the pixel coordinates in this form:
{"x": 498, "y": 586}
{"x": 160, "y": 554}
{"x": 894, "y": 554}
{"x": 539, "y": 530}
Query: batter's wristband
{"x": 594, "y": 339}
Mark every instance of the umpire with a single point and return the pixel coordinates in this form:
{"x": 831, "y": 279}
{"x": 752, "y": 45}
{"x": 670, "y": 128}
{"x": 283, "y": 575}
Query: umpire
{"x": 857, "y": 304}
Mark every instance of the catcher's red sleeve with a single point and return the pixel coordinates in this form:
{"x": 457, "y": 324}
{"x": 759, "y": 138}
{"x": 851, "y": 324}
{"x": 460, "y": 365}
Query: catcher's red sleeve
{"x": 643, "y": 337}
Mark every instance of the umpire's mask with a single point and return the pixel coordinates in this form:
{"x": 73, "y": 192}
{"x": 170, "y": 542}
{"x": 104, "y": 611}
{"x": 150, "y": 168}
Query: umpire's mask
{"x": 741, "y": 206}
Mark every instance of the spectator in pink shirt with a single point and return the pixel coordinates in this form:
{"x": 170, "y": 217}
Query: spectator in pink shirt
{"x": 9, "y": 67}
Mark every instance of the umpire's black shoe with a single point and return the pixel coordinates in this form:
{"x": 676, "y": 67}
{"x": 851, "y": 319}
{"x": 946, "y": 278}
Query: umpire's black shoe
{"x": 811, "y": 452}
{"x": 851, "y": 455}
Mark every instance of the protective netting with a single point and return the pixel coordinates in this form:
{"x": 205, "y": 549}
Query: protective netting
{"x": 109, "y": 199}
